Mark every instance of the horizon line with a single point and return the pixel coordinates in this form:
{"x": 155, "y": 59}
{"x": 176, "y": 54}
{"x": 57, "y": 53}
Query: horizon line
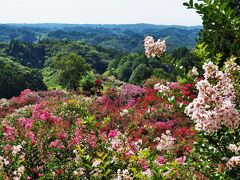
{"x": 63, "y": 23}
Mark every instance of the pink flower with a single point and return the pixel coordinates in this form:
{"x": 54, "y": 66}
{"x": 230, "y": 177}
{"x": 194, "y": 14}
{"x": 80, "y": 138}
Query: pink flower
{"x": 160, "y": 160}
{"x": 233, "y": 162}
{"x": 181, "y": 159}
{"x": 57, "y": 144}
{"x": 62, "y": 135}
{"x": 129, "y": 153}
{"x": 234, "y": 148}
{"x": 152, "y": 48}
{"x": 40, "y": 174}
{"x": 77, "y": 137}
{"x": 32, "y": 137}
{"x": 215, "y": 103}
{"x": 54, "y": 143}
{"x": 45, "y": 115}
{"x": 144, "y": 164}
{"x": 26, "y": 123}
{"x": 9, "y": 132}
{"x": 112, "y": 134}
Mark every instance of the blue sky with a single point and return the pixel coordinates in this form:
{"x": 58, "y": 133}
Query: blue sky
{"x": 97, "y": 12}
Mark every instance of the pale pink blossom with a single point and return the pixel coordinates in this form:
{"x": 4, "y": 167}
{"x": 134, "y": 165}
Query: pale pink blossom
{"x": 215, "y": 103}
{"x": 234, "y": 148}
{"x": 233, "y": 162}
{"x": 166, "y": 141}
{"x": 153, "y": 49}
{"x": 181, "y": 160}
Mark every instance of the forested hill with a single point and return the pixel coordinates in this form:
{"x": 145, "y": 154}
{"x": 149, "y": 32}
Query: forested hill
{"x": 126, "y": 38}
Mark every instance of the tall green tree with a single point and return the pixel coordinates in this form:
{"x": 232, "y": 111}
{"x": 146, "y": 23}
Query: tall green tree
{"x": 71, "y": 69}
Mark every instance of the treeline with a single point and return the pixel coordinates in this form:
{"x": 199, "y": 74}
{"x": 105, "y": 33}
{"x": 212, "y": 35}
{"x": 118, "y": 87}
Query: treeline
{"x": 126, "y": 38}
{"x": 53, "y": 57}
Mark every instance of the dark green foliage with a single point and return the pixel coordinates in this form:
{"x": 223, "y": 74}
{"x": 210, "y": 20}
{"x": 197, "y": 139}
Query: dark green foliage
{"x": 97, "y": 59}
{"x": 185, "y": 58}
{"x": 141, "y": 73}
{"x": 87, "y": 82}
{"x": 28, "y": 54}
{"x": 14, "y": 78}
{"x": 35, "y": 55}
{"x": 135, "y": 68}
{"x": 110, "y": 51}
{"x": 221, "y": 26}
{"x": 71, "y": 69}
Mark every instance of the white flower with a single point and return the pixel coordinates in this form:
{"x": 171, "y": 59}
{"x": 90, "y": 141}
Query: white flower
{"x": 124, "y": 112}
{"x": 171, "y": 98}
{"x": 16, "y": 149}
{"x": 194, "y": 71}
{"x": 6, "y": 162}
{"x": 166, "y": 141}
{"x": 96, "y": 163}
{"x": 21, "y": 169}
{"x": 152, "y": 48}
{"x": 79, "y": 172}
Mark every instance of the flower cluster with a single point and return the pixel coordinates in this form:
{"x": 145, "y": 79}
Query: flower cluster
{"x": 214, "y": 105}
{"x": 123, "y": 175}
{"x": 162, "y": 88}
{"x": 234, "y": 148}
{"x": 233, "y": 162}
{"x": 166, "y": 141}
{"x": 153, "y": 49}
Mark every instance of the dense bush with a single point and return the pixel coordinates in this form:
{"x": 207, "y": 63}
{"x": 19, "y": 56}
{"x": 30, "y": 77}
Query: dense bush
{"x": 221, "y": 22}
{"x": 14, "y": 78}
{"x": 71, "y": 69}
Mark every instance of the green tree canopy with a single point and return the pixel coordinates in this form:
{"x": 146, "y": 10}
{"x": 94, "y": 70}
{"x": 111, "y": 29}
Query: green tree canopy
{"x": 72, "y": 67}
{"x": 14, "y": 78}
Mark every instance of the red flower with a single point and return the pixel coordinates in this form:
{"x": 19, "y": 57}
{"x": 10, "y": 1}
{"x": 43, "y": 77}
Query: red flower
{"x": 98, "y": 82}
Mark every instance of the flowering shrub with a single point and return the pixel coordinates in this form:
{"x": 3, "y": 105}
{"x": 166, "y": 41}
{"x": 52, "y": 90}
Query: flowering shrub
{"x": 215, "y": 104}
{"x": 125, "y": 133}
{"x": 216, "y": 114}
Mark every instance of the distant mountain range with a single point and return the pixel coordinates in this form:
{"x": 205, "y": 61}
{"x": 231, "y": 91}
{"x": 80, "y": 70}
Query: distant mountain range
{"x": 124, "y": 37}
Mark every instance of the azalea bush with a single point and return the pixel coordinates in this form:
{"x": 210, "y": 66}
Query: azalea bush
{"x": 129, "y": 132}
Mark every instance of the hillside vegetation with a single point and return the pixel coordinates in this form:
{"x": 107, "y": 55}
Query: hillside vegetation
{"x": 116, "y": 102}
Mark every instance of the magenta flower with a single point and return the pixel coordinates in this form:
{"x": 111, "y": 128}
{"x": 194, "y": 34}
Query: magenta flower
{"x": 112, "y": 134}
{"x": 45, "y": 115}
